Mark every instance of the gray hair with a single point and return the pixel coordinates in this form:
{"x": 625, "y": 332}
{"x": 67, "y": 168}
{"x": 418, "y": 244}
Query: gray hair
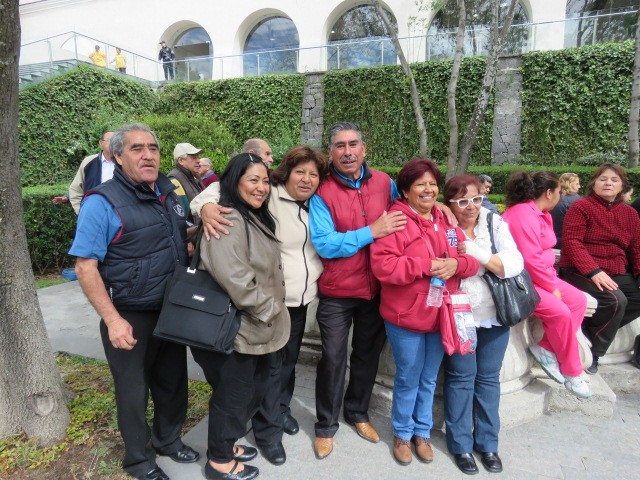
{"x": 116, "y": 144}
{"x": 205, "y": 161}
{"x": 254, "y": 144}
{"x": 340, "y": 126}
{"x": 485, "y": 179}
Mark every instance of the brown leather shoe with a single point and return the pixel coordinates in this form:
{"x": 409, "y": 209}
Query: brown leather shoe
{"x": 424, "y": 451}
{"x": 402, "y": 451}
{"x": 323, "y": 447}
{"x": 367, "y": 431}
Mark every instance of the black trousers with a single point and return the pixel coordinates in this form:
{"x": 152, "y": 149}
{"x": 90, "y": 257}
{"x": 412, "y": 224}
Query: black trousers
{"x": 169, "y": 72}
{"x": 335, "y": 316}
{"x": 267, "y": 421}
{"x": 615, "y": 308}
{"x": 154, "y": 366}
{"x": 238, "y": 383}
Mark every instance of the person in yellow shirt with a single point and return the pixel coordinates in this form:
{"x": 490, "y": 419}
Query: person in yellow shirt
{"x": 98, "y": 57}
{"x": 120, "y": 60}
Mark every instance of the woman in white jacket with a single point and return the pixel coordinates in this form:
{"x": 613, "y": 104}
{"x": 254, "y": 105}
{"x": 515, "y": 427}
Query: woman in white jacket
{"x": 294, "y": 181}
{"x": 472, "y": 382}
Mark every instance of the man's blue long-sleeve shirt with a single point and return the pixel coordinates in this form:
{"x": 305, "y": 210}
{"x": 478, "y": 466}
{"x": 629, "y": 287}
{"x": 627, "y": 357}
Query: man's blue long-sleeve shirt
{"x": 328, "y": 242}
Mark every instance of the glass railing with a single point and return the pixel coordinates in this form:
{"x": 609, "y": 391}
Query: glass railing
{"x": 597, "y": 27}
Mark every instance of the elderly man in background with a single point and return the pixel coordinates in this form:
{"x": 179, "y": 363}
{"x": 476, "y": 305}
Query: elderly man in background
{"x": 185, "y": 174}
{"x": 347, "y": 214}
{"x": 207, "y": 175}
{"x": 93, "y": 170}
{"x": 130, "y": 237}
{"x": 485, "y": 187}
{"x": 260, "y": 148}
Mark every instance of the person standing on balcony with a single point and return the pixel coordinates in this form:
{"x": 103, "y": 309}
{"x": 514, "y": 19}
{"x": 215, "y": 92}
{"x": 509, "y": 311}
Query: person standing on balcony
{"x": 167, "y": 56}
{"x": 98, "y": 57}
{"x": 120, "y": 60}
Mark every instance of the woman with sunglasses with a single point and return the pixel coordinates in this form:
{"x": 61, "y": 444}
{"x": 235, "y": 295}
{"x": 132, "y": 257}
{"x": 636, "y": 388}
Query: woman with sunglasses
{"x": 472, "y": 382}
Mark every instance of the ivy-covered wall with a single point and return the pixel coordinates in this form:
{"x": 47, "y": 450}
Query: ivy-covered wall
{"x": 379, "y": 100}
{"x": 576, "y": 103}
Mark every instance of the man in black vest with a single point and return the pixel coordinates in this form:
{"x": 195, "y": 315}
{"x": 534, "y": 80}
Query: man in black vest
{"x": 130, "y": 236}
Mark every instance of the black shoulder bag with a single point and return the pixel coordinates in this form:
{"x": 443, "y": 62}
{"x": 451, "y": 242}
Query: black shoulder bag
{"x": 196, "y": 310}
{"x": 515, "y": 298}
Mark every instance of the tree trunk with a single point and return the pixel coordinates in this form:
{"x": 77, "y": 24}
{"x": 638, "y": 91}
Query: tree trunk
{"x": 498, "y": 37}
{"x": 415, "y": 97}
{"x": 634, "y": 111}
{"x": 452, "y": 111}
{"x": 31, "y": 394}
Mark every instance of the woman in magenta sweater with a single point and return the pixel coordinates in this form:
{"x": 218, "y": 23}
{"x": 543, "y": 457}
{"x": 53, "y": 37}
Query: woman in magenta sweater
{"x": 529, "y": 198}
{"x": 601, "y": 256}
{"x": 404, "y": 262}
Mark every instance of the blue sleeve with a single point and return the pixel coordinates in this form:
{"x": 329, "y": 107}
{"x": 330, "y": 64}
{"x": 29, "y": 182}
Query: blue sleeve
{"x": 394, "y": 191}
{"x": 98, "y": 225}
{"x": 328, "y": 242}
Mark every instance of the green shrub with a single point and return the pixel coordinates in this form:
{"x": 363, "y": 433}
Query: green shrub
{"x": 267, "y": 106}
{"x": 50, "y": 228}
{"x": 202, "y": 132}
{"x": 61, "y": 120}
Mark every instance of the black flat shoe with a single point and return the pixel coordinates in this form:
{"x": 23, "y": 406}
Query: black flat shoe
{"x": 155, "y": 474}
{"x": 249, "y": 453}
{"x": 290, "y": 425}
{"x": 273, "y": 452}
{"x": 248, "y": 473}
{"x": 184, "y": 455}
{"x": 491, "y": 461}
{"x": 466, "y": 463}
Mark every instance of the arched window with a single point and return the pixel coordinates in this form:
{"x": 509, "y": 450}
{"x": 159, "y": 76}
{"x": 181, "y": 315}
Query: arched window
{"x": 441, "y": 37}
{"x": 271, "y": 47}
{"x": 193, "y": 51}
{"x": 599, "y": 21}
{"x": 360, "y": 39}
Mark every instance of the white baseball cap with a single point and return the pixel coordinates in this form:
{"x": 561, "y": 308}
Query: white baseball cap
{"x": 183, "y": 149}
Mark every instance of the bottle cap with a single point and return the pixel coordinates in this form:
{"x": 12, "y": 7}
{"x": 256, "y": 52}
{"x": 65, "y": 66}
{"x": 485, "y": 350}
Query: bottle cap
{"x": 438, "y": 282}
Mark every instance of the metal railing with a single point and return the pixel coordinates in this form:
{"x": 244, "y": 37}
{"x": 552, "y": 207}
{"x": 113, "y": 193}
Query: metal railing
{"x": 583, "y": 30}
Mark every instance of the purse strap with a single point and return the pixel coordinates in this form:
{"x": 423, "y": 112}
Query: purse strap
{"x": 195, "y": 260}
{"x": 494, "y": 250}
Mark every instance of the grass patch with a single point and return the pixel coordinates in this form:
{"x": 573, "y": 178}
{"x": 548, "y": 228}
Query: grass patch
{"x": 43, "y": 282}
{"x": 92, "y": 447}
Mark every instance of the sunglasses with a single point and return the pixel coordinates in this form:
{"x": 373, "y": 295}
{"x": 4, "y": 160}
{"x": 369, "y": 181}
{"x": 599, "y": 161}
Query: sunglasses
{"x": 464, "y": 202}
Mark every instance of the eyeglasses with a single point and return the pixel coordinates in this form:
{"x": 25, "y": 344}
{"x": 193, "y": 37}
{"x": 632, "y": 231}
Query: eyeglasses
{"x": 464, "y": 202}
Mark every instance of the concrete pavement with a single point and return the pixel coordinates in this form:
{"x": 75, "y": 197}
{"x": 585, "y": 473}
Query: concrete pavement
{"x": 557, "y": 445}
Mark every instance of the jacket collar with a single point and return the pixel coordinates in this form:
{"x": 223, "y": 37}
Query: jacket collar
{"x": 142, "y": 190}
{"x": 365, "y": 174}
{"x": 605, "y": 203}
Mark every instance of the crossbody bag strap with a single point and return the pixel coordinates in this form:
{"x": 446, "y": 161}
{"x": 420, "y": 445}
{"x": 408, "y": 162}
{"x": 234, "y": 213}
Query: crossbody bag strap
{"x": 494, "y": 250}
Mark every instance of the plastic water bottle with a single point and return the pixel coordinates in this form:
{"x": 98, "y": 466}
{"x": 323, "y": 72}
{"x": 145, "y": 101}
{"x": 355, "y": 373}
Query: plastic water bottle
{"x": 434, "y": 299}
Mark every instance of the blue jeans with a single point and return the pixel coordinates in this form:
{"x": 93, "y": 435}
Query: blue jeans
{"x": 417, "y": 357}
{"x": 472, "y": 394}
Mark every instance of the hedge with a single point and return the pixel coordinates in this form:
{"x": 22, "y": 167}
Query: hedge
{"x": 61, "y": 120}
{"x": 378, "y": 99}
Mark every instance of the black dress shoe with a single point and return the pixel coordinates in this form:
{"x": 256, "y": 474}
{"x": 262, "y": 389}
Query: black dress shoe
{"x": 491, "y": 461}
{"x": 184, "y": 455}
{"x": 249, "y": 453}
{"x": 466, "y": 463}
{"x": 248, "y": 473}
{"x": 290, "y": 425}
{"x": 155, "y": 474}
{"x": 274, "y": 453}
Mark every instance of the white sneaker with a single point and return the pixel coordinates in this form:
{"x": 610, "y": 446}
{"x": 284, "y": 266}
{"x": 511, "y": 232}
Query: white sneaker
{"x": 548, "y": 362}
{"x": 577, "y": 386}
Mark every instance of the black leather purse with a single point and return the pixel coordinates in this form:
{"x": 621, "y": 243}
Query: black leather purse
{"x": 196, "y": 310}
{"x": 515, "y": 298}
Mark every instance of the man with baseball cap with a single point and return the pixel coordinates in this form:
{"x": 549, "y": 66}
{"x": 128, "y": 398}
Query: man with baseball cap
{"x": 185, "y": 174}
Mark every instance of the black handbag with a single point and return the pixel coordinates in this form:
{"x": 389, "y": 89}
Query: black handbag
{"x": 515, "y": 298}
{"x": 196, "y": 310}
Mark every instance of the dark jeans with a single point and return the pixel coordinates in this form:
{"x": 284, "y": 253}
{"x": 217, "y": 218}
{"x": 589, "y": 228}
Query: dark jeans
{"x": 267, "y": 422}
{"x": 472, "y": 393}
{"x": 335, "y": 316}
{"x": 238, "y": 381}
{"x": 154, "y": 366}
{"x": 169, "y": 72}
{"x": 615, "y": 308}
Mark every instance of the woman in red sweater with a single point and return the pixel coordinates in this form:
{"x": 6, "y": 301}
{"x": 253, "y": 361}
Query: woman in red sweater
{"x": 601, "y": 256}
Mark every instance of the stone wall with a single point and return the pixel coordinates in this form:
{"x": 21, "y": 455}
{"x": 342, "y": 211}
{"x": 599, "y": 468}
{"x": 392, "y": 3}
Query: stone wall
{"x": 507, "y": 123}
{"x": 312, "y": 121}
